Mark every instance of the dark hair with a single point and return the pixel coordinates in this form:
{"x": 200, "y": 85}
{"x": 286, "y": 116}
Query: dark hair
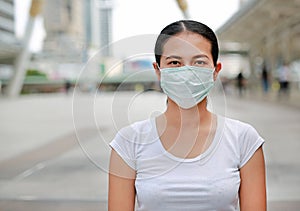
{"x": 186, "y": 25}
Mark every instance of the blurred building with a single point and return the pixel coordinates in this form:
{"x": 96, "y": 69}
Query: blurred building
{"x": 65, "y": 45}
{"x": 75, "y": 30}
{"x": 98, "y": 25}
{"x": 75, "y": 25}
{"x": 8, "y": 42}
{"x": 105, "y": 10}
{"x": 64, "y": 25}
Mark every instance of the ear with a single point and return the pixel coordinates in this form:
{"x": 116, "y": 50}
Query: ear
{"x": 157, "y": 70}
{"x": 217, "y": 70}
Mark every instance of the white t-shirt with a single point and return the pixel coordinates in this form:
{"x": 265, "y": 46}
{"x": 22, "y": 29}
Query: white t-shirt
{"x": 208, "y": 182}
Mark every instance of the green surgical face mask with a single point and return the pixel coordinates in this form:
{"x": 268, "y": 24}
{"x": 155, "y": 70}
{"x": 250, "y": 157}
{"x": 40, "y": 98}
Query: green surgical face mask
{"x": 187, "y": 85}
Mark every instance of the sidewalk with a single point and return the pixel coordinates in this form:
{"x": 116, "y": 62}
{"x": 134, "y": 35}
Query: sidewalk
{"x": 292, "y": 100}
{"x": 44, "y": 163}
{"x": 255, "y": 93}
{"x": 30, "y": 121}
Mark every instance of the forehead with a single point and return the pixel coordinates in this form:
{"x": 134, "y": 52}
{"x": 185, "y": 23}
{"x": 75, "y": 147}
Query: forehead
{"x": 187, "y": 43}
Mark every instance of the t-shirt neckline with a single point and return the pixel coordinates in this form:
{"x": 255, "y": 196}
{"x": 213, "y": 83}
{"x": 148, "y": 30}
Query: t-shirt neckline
{"x": 204, "y": 155}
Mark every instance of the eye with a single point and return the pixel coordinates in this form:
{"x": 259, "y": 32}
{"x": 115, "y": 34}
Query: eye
{"x": 200, "y": 63}
{"x": 174, "y": 63}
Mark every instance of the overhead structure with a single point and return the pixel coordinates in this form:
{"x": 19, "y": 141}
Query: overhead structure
{"x": 269, "y": 29}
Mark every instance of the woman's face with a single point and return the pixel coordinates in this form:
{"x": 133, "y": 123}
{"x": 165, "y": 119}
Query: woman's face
{"x": 187, "y": 49}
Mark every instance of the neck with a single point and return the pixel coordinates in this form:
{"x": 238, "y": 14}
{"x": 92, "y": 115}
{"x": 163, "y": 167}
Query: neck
{"x": 188, "y": 117}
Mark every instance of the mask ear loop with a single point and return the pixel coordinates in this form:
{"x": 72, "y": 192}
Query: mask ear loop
{"x": 158, "y": 66}
{"x": 160, "y": 70}
{"x": 215, "y": 74}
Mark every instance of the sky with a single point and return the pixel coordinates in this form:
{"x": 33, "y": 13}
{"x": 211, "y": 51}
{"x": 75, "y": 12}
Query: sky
{"x": 150, "y": 16}
{"x": 137, "y": 17}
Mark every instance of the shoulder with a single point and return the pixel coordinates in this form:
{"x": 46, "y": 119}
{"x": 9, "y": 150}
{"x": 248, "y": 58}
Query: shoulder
{"x": 235, "y": 123}
{"x": 128, "y": 139}
{"x": 136, "y": 129}
{"x": 236, "y": 133}
{"x": 135, "y": 133}
{"x": 243, "y": 137}
{"x": 238, "y": 127}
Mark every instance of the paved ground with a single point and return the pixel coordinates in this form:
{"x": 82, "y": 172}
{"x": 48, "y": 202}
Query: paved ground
{"x": 54, "y": 152}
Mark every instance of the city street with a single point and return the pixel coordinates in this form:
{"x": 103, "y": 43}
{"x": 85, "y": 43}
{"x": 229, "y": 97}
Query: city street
{"x": 54, "y": 143}
{"x": 54, "y": 148}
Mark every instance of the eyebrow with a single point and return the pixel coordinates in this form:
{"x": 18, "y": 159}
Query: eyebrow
{"x": 194, "y": 57}
{"x": 173, "y": 57}
{"x": 200, "y": 56}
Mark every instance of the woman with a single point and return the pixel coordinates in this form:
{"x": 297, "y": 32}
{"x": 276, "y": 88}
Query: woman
{"x": 187, "y": 158}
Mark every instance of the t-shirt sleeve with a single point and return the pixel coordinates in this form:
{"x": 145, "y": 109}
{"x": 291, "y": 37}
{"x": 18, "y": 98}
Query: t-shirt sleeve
{"x": 250, "y": 141}
{"x": 123, "y": 144}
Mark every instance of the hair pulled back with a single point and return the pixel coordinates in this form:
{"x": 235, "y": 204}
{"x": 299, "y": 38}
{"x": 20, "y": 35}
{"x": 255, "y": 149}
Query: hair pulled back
{"x": 186, "y": 25}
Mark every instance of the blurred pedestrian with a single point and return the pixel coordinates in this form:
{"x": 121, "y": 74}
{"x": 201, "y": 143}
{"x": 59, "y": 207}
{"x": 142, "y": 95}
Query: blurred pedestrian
{"x": 241, "y": 83}
{"x": 283, "y": 78}
{"x": 187, "y": 158}
{"x": 68, "y": 86}
{"x": 265, "y": 78}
